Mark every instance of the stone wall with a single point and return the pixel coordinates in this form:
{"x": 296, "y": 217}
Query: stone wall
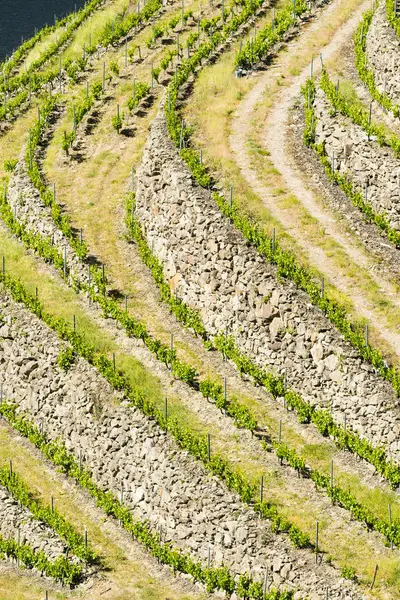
{"x": 212, "y": 269}
{"x": 383, "y": 54}
{"x": 17, "y": 522}
{"x": 30, "y": 210}
{"x": 161, "y": 483}
{"x": 373, "y": 169}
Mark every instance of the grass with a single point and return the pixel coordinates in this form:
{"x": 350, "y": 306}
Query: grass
{"x": 39, "y": 48}
{"x": 92, "y": 28}
{"x": 11, "y": 143}
{"x": 217, "y": 84}
{"x": 92, "y": 192}
{"x": 303, "y": 509}
{"x": 123, "y": 570}
{"x": 63, "y": 302}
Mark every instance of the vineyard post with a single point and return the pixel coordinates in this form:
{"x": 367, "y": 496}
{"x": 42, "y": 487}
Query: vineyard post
{"x": 11, "y": 468}
{"x": 374, "y": 577}
{"x": 74, "y": 323}
{"x": 104, "y": 76}
{"x": 208, "y": 447}
{"x": 201, "y": 156}
{"x": 280, "y": 431}
{"x": 311, "y": 68}
{"x": 138, "y": 7}
{"x": 80, "y": 236}
{"x": 230, "y": 197}
{"x": 265, "y": 585}
{"x": 262, "y": 488}
{"x": 322, "y": 287}
{"x": 369, "y": 120}
{"x": 316, "y": 540}
{"x": 166, "y": 409}
{"x": 331, "y": 473}
{"x": 390, "y": 525}
{"x": 113, "y": 358}
{"x": 80, "y": 460}
{"x": 132, "y": 180}
{"x": 65, "y": 262}
{"x": 36, "y": 293}
{"x": 273, "y": 240}
{"x": 345, "y": 421}
{"x": 333, "y": 161}
{"x": 171, "y": 348}
{"x": 225, "y": 396}
{"x": 38, "y": 112}
{"x": 3, "y": 266}
{"x": 86, "y": 538}
{"x": 52, "y": 504}
{"x": 322, "y": 62}
{"x": 126, "y": 304}
{"x": 209, "y": 557}
{"x": 366, "y": 336}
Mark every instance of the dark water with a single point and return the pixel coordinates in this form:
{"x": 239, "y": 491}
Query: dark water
{"x": 20, "y": 17}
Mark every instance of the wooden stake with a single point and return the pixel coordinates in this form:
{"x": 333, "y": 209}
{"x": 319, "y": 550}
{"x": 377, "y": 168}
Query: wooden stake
{"x": 374, "y": 577}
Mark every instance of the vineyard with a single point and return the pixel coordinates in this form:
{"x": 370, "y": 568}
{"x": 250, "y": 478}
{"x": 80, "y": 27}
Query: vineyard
{"x": 199, "y": 313}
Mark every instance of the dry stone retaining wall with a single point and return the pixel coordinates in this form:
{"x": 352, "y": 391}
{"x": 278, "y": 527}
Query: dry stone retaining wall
{"x": 30, "y": 210}
{"x": 213, "y": 269}
{"x": 38, "y": 535}
{"x": 373, "y": 169}
{"x": 383, "y": 53}
{"x": 162, "y": 483}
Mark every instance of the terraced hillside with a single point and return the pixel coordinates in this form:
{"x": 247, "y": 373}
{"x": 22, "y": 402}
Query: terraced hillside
{"x": 199, "y": 314}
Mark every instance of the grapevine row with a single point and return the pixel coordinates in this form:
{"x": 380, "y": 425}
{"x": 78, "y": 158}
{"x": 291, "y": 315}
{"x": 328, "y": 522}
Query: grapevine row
{"x": 214, "y": 578}
{"x": 344, "y": 182}
{"x": 21, "y": 493}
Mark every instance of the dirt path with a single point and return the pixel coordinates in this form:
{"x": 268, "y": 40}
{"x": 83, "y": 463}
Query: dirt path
{"x": 274, "y": 138}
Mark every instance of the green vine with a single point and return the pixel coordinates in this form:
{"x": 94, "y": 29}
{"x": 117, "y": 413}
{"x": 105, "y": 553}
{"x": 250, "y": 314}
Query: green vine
{"x": 195, "y": 445}
{"x": 214, "y": 578}
{"x": 365, "y": 73}
{"x": 21, "y": 493}
{"x": 344, "y": 181}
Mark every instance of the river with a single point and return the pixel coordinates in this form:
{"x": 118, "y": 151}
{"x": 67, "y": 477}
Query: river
{"x": 18, "y": 18}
